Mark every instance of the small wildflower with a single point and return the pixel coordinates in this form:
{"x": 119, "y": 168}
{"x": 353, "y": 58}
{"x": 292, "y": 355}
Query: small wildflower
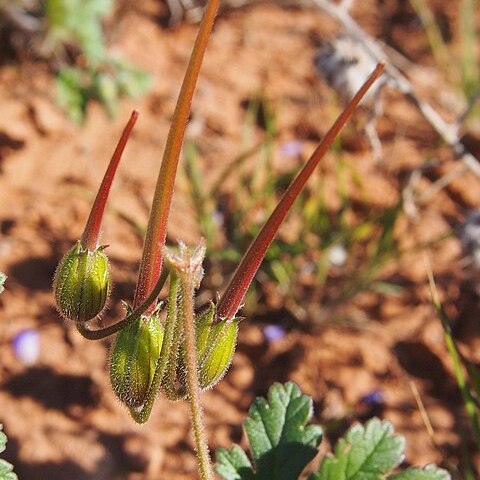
{"x": 273, "y": 333}
{"x": 374, "y": 398}
{"x": 218, "y": 218}
{"x": 337, "y": 255}
{"x": 26, "y": 346}
{"x": 291, "y": 148}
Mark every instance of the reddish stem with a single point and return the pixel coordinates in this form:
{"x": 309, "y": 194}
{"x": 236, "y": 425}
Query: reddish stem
{"x": 233, "y": 295}
{"x": 151, "y": 263}
{"x": 91, "y": 233}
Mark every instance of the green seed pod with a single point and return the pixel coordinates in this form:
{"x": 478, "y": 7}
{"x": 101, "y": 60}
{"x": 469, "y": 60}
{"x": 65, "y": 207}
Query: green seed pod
{"x": 216, "y": 344}
{"x": 133, "y": 359}
{"x": 82, "y": 283}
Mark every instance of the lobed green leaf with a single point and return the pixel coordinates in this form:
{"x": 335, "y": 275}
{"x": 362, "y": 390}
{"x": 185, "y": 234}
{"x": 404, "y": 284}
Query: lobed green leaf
{"x": 233, "y": 464}
{"x": 366, "y": 453}
{"x": 282, "y": 444}
{"x": 430, "y": 472}
{"x": 6, "y": 469}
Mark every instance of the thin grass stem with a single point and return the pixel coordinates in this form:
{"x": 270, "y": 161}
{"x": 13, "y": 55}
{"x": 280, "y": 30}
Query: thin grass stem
{"x": 462, "y": 382}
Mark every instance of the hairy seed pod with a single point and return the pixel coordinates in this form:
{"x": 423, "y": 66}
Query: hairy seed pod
{"x": 216, "y": 342}
{"x": 82, "y": 283}
{"x": 133, "y": 359}
{"x": 215, "y": 346}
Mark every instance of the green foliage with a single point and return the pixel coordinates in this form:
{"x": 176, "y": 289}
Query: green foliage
{"x": 6, "y": 469}
{"x": 365, "y": 237}
{"x": 108, "y": 84}
{"x": 467, "y": 374}
{"x": 365, "y": 452}
{"x": 370, "y": 452}
{"x": 469, "y": 59}
{"x": 78, "y": 22}
{"x": 283, "y": 444}
{"x": 71, "y": 38}
{"x": 430, "y": 472}
{"x": 462, "y": 68}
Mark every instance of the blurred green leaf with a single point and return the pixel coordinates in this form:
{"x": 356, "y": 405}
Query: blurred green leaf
{"x": 78, "y": 22}
{"x": 105, "y": 89}
{"x": 76, "y": 86}
{"x": 72, "y": 95}
{"x": 132, "y": 81}
{"x": 469, "y": 60}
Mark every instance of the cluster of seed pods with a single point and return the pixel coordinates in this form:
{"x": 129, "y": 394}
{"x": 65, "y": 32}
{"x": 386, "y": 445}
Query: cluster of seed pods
{"x": 183, "y": 351}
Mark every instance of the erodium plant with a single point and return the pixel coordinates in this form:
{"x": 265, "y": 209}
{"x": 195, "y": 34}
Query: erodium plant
{"x": 188, "y": 351}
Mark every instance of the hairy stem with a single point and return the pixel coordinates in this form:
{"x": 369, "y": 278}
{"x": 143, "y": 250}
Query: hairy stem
{"x": 90, "y": 235}
{"x": 242, "y": 278}
{"x": 100, "y": 333}
{"x": 193, "y": 386}
{"x": 151, "y": 262}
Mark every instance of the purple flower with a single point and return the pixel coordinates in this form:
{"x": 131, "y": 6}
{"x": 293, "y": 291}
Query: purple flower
{"x": 218, "y": 217}
{"x": 273, "y": 333}
{"x": 374, "y": 398}
{"x": 291, "y": 148}
{"x": 26, "y": 346}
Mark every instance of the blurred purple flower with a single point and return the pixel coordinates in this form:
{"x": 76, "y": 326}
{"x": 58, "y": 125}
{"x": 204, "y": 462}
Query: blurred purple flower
{"x": 291, "y": 148}
{"x": 26, "y": 346}
{"x": 218, "y": 217}
{"x": 374, "y": 398}
{"x": 273, "y": 333}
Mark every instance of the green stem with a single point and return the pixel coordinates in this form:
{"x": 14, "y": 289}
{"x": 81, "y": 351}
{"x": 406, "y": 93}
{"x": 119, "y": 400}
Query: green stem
{"x": 89, "y": 334}
{"x": 151, "y": 262}
{"x": 460, "y": 377}
{"x": 193, "y": 386}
